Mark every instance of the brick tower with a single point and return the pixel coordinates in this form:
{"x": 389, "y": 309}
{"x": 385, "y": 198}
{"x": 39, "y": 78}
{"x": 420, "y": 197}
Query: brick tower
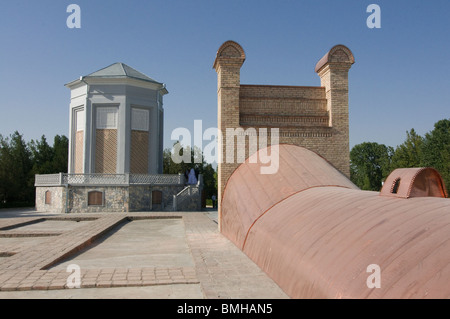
{"x": 312, "y": 117}
{"x": 333, "y": 71}
{"x": 229, "y": 60}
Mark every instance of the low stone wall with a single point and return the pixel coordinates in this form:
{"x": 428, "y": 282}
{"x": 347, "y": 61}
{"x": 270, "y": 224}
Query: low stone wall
{"x": 193, "y": 202}
{"x": 141, "y": 197}
{"x": 133, "y": 198}
{"x": 57, "y": 199}
{"x": 115, "y": 199}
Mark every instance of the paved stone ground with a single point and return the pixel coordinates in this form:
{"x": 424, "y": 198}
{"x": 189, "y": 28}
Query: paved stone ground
{"x": 35, "y": 249}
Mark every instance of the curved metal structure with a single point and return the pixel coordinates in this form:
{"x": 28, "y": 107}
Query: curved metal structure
{"x": 317, "y": 235}
{"x": 414, "y": 182}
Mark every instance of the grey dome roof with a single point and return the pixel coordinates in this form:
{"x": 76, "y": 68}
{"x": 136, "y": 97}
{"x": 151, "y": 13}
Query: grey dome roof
{"x": 120, "y": 70}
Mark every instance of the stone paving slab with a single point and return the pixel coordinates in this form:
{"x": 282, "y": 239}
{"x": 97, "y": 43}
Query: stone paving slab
{"x": 138, "y": 242}
{"x": 8, "y": 223}
{"x": 221, "y": 269}
{"x": 175, "y": 291}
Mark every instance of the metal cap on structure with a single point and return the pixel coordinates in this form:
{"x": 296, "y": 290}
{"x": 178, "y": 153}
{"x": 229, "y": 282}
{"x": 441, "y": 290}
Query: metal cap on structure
{"x": 230, "y": 51}
{"x": 414, "y": 182}
{"x": 339, "y": 54}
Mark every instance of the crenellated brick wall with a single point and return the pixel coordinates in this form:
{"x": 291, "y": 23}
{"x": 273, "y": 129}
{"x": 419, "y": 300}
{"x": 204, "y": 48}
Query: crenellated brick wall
{"x": 311, "y": 117}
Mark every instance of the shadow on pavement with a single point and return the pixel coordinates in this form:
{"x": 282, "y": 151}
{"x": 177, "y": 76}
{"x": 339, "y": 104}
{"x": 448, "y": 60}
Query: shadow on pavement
{"x": 22, "y": 212}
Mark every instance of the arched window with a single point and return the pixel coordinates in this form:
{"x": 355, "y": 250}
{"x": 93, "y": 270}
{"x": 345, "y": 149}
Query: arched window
{"x": 48, "y": 198}
{"x": 156, "y": 197}
{"x": 395, "y": 186}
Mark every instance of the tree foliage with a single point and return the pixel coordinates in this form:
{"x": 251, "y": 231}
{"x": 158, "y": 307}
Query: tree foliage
{"x": 15, "y": 170}
{"x": 42, "y": 155}
{"x": 370, "y": 165}
{"x": 20, "y": 161}
{"x": 436, "y": 150}
{"x": 60, "y": 154}
{"x": 372, "y": 162}
{"x": 408, "y": 154}
{"x": 197, "y": 162}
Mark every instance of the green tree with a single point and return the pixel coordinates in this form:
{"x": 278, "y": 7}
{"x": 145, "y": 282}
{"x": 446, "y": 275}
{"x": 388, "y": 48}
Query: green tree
{"x": 42, "y": 156}
{"x": 5, "y": 164}
{"x": 197, "y": 162}
{"x": 409, "y": 154}
{"x": 436, "y": 150}
{"x": 60, "y": 154}
{"x": 370, "y": 164}
{"x": 16, "y": 179}
{"x": 20, "y": 161}
{"x": 210, "y": 181}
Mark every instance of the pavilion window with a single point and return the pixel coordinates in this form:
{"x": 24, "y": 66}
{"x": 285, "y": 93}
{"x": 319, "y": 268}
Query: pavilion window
{"x": 95, "y": 198}
{"x": 156, "y": 197}
{"x": 48, "y": 198}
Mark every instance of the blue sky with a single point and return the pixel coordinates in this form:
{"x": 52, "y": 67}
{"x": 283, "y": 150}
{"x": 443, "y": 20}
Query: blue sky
{"x": 400, "y": 79}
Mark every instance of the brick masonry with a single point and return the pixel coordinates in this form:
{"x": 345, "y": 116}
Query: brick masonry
{"x": 79, "y": 136}
{"x": 106, "y": 151}
{"x": 139, "y": 152}
{"x": 312, "y": 117}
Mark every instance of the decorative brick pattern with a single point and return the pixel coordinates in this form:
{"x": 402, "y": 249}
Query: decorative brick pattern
{"x": 79, "y": 136}
{"x": 312, "y": 117}
{"x": 139, "y": 152}
{"x": 106, "y": 151}
{"x": 273, "y": 120}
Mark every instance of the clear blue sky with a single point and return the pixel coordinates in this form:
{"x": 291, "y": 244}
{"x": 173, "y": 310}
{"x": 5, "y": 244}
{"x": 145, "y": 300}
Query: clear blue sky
{"x": 401, "y": 78}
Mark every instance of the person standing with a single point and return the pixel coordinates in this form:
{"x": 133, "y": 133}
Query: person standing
{"x": 213, "y": 197}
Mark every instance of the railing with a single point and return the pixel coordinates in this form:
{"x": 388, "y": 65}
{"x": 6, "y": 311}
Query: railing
{"x": 179, "y": 198}
{"x": 157, "y": 179}
{"x": 48, "y": 180}
{"x": 95, "y": 179}
{"x": 187, "y": 192}
{"x": 62, "y": 179}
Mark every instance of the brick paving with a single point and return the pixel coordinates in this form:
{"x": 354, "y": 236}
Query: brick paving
{"x": 221, "y": 269}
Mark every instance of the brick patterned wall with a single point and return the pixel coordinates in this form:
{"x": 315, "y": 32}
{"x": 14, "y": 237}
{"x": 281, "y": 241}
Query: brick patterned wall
{"x": 229, "y": 59}
{"x": 79, "y": 136}
{"x": 106, "y": 151}
{"x": 312, "y": 117}
{"x": 335, "y": 80}
{"x": 282, "y": 106}
{"x": 139, "y": 152}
